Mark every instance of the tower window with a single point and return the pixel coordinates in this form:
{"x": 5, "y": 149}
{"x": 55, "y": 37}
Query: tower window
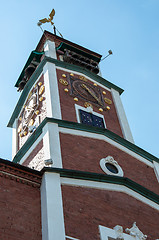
{"x": 112, "y": 168}
{"x": 91, "y": 119}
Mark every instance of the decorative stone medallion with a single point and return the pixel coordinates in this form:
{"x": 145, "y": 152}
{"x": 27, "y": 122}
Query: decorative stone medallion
{"x": 111, "y": 167}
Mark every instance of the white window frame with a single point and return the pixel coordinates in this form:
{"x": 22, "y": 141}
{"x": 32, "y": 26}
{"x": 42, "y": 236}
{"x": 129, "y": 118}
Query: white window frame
{"x": 78, "y": 107}
{"x": 103, "y": 161}
{"x": 106, "y": 233}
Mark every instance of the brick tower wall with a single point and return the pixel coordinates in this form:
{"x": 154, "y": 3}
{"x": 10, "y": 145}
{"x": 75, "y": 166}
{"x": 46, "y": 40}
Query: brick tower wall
{"x": 20, "y": 208}
{"x": 84, "y": 154}
{"x": 85, "y": 209}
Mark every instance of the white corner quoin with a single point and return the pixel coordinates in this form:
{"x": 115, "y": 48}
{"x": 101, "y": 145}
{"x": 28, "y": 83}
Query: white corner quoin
{"x": 50, "y": 49}
{"x": 122, "y": 116}
{"x": 52, "y": 208}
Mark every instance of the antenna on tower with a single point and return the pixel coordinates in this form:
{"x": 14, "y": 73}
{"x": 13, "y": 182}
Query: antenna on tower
{"x": 109, "y": 53}
{"x": 49, "y": 20}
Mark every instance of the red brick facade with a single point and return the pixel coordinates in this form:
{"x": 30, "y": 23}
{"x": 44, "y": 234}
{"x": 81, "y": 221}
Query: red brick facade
{"x": 85, "y": 209}
{"x": 20, "y": 208}
{"x": 84, "y": 154}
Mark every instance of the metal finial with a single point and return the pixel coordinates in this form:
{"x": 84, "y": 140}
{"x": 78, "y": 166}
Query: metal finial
{"x": 109, "y": 53}
{"x": 49, "y": 20}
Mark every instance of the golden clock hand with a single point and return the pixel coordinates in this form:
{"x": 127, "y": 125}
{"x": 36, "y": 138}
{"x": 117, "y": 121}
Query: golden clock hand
{"x": 92, "y": 94}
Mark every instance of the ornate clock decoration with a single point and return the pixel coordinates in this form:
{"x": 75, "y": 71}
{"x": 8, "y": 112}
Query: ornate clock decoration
{"x": 87, "y": 104}
{"x": 80, "y": 88}
{"x": 28, "y": 118}
{"x": 63, "y": 82}
{"x": 107, "y": 100}
{"x": 82, "y": 78}
{"x": 64, "y": 75}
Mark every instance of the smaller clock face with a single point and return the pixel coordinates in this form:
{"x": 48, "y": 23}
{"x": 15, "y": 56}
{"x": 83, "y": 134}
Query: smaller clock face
{"x": 29, "y": 118}
{"x": 86, "y": 91}
{"x": 29, "y": 109}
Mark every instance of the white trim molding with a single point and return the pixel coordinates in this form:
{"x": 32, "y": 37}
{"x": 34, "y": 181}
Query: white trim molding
{"x": 109, "y": 187}
{"x": 72, "y": 238}
{"x": 52, "y": 208}
{"x": 156, "y": 169}
{"x": 14, "y": 138}
{"x": 51, "y": 141}
{"x": 122, "y": 116}
{"x": 100, "y": 73}
{"x": 50, "y": 49}
{"x": 51, "y": 89}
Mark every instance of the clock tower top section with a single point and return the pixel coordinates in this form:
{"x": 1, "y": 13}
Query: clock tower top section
{"x": 62, "y": 50}
{"x": 71, "y": 52}
{"x": 62, "y": 80}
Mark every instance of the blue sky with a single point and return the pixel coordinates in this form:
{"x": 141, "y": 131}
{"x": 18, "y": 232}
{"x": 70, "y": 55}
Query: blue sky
{"x": 129, "y": 28}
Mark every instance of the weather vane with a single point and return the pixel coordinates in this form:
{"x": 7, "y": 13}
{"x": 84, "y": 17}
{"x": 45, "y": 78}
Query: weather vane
{"x": 49, "y": 20}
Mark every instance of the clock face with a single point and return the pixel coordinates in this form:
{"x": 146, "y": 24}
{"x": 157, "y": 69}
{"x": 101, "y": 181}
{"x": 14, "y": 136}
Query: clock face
{"x": 28, "y": 112}
{"x": 30, "y": 108}
{"x": 29, "y": 118}
{"x": 86, "y": 91}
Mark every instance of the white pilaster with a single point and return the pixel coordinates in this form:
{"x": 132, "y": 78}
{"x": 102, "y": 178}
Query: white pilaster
{"x": 156, "y": 169}
{"x": 52, "y": 208}
{"x": 100, "y": 73}
{"x": 14, "y": 138}
{"x": 50, "y": 49}
{"x": 122, "y": 116}
{"x": 51, "y": 88}
{"x": 51, "y": 142}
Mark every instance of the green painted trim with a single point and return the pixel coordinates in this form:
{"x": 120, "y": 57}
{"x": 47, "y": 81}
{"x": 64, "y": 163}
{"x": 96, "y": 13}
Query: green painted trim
{"x": 25, "y": 93}
{"x": 32, "y": 55}
{"x": 63, "y": 46}
{"x": 85, "y": 128}
{"x": 96, "y": 177}
{"x": 58, "y": 63}
{"x": 94, "y": 76}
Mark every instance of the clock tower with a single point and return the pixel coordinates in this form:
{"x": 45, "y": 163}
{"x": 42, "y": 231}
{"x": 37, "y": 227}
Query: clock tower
{"x": 62, "y": 81}
{"x": 70, "y": 124}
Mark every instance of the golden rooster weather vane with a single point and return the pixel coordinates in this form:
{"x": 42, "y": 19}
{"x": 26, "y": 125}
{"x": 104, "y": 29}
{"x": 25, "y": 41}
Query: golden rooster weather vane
{"x": 51, "y": 15}
{"x": 45, "y": 20}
